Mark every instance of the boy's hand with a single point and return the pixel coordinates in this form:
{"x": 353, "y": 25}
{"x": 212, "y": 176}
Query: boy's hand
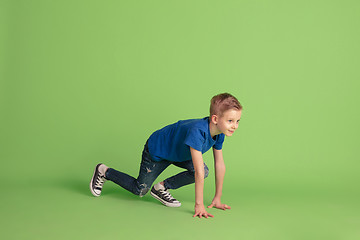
{"x": 217, "y": 204}
{"x": 200, "y": 211}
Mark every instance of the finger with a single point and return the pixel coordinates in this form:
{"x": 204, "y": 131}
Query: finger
{"x": 227, "y": 207}
{"x": 222, "y": 207}
{"x": 211, "y": 205}
{"x": 210, "y": 215}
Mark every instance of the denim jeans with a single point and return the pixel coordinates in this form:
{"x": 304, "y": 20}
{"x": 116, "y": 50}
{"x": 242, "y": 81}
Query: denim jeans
{"x": 149, "y": 171}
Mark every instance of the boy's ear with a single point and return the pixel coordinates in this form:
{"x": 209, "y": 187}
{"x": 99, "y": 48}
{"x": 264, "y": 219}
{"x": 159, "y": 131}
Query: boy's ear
{"x": 214, "y": 119}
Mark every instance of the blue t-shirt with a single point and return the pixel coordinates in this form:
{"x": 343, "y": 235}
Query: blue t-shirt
{"x": 173, "y": 142}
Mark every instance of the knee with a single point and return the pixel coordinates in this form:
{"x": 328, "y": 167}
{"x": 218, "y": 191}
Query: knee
{"x": 206, "y": 171}
{"x": 142, "y": 190}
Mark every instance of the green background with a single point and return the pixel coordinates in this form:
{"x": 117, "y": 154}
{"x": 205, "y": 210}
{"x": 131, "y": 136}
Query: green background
{"x": 84, "y": 82}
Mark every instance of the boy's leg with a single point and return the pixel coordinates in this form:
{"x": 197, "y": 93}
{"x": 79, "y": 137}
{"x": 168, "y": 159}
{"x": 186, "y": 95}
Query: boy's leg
{"x": 149, "y": 171}
{"x": 159, "y": 190}
{"x": 183, "y": 178}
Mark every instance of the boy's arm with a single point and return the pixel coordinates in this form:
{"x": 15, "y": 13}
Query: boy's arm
{"x": 219, "y": 180}
{"x": 199, "y": 184}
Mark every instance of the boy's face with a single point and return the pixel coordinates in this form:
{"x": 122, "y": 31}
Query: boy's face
{"x": 229, "y": 122}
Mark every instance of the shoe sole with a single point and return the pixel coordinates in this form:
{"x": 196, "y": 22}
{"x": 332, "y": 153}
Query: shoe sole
{"x": 164, "y": 202}
{"x": 92, "y": 179}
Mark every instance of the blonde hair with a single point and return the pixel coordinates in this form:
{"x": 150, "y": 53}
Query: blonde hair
{"x": 223, "y": 102}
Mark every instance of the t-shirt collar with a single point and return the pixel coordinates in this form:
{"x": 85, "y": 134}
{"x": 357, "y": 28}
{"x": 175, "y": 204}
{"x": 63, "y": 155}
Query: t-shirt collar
{"x": 208, "y": 130}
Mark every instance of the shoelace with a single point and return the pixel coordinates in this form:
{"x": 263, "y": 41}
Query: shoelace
{"x": 99, "y": 181}
{"x": 167, "y": 195}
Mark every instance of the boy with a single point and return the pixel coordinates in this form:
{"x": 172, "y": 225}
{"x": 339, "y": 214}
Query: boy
{"x": 181, "y": 144}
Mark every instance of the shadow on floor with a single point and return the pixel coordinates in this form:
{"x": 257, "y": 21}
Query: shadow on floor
{"x": 82, "y": 187}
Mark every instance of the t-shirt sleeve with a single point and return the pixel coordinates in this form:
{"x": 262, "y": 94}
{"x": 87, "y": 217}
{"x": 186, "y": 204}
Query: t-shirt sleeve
{"x": 219, "y": 143}
{"x": 195, "y": 138}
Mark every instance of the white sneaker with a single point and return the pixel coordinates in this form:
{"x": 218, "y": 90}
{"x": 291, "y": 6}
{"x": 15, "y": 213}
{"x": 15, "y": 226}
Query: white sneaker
{"x": 97, "y": 181}
{"x": 165, "y": 197}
